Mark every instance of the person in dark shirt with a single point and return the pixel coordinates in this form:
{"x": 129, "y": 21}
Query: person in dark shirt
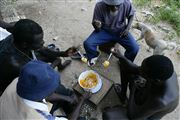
{"x": 112, "y": 20}
{"x": 154, "y": 89}
{"x": 16, "y": 50}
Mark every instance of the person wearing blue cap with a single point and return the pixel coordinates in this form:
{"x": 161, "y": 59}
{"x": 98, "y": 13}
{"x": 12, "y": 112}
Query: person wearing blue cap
{"x": 112, "y": 20}
{"x": 25, "y": 98}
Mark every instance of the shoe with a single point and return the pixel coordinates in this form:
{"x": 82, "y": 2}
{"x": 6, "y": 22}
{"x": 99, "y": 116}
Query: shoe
{"x": 64, "y": 65}
{"x": 53, "y": 47}
{"x": 93, "y": 61}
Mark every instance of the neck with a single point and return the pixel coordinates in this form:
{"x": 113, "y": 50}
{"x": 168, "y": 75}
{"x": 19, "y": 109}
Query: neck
{"x": 24, "y": 52}
{"x": 158, "y": 88}
{"x": 19, "y": 47}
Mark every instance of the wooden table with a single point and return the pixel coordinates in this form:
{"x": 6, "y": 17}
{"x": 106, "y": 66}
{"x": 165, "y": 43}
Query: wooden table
{"x": 97, "y": 97}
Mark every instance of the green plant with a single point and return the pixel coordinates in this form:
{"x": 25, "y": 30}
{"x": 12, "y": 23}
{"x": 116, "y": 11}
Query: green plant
{"x": 169, "y": 14}
{"x": 169, "y": 11}
{"x": 141, "y": 3}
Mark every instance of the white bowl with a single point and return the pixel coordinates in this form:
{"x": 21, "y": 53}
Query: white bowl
{"x": 96, "y": 88}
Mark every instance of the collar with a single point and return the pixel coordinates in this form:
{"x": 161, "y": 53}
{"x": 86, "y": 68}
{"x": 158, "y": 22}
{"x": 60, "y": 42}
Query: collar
{"x": 36, "y": 105}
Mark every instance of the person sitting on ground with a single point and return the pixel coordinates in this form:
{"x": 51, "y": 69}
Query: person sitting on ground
{"x": 25, "y": 98}
{"x": 16, "y": 50}
{"x": 109, "y": 22}
{"x": 154, "y": 90}
{"x": 47, "y": 54}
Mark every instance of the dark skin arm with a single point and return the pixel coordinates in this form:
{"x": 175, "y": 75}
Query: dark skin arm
{"x": 8, "y": 26}
{"x": 57, "y": 97}
{"x": 130, "y": 67}
{"x": 53, "y": 54}
{"x": 75, "y": 113}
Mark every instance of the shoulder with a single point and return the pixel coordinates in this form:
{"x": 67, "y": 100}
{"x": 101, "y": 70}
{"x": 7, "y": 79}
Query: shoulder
{"x": 101, "y": 5}
{"x": 127, "y": 3}
{"x": 11, "y": 89}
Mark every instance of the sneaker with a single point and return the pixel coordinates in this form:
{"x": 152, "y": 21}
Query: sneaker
{"x": 93, "y": 61}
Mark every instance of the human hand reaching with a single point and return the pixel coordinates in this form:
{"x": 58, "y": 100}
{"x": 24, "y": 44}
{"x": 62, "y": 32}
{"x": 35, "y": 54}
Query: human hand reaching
{"x": 73, "y": 99}
{"x": 125, "y": 32}
{"x": 116, "y": 52}
{"x": 71, "y": 51}
{"x": 97, "y": 25}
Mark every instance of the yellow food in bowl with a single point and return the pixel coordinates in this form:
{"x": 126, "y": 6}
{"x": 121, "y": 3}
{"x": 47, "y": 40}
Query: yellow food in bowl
{"x": 90, "y": 81}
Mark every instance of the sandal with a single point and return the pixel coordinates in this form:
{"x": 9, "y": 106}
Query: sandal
{"x": 63, "y": 65}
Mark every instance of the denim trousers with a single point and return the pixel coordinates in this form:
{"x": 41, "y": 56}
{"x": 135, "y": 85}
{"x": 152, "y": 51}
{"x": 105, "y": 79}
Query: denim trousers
{"x": 101, "y": 37}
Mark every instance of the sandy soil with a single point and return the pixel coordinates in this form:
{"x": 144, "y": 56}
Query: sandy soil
{"x": 69, "y": 22}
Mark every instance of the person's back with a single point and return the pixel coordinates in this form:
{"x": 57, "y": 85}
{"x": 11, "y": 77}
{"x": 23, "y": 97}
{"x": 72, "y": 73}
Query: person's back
{"x": 24, "y": 98}
{"x": 13, "y": 106}
{"x": 170, "y": 98}
{"x": 9, "y": 62}
{"x": 153, "y": 102}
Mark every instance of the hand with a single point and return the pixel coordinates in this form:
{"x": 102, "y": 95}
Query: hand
{"x": 71, "y": 51}
{"x": 116, "y": 52}
{"x": 97, "y": 25}
{"x": 73, "y": 99}
{"x": 125, "y": 32}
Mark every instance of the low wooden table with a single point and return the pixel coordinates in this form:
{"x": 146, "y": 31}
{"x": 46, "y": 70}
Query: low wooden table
{"x": 97, "y": 97}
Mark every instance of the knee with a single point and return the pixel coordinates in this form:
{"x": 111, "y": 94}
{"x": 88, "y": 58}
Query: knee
{"x": 85, "y": 43}
{"x": 88, "y": 42}
{"x": 134, "y": 49}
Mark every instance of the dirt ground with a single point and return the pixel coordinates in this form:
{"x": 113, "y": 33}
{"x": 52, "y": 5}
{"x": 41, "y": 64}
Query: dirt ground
{"x": 67, "y": 23}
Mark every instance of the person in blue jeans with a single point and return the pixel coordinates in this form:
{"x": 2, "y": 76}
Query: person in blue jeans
{"x": 112, "y": 20}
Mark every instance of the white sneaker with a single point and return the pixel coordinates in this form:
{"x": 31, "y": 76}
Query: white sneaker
{"x": 93, "y": 61}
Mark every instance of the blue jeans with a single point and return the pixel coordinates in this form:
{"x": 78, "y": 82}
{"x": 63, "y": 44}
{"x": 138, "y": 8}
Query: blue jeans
{"x": 101, "y": 37}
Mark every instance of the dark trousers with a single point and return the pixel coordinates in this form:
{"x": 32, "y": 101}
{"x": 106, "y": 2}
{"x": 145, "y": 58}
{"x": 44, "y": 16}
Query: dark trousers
{"x": 99, "y": 38}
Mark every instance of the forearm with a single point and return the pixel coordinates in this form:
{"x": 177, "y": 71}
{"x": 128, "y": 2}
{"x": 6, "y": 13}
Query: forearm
{"x": 130, "y": 20}
{"x": 52, "y": 54}
{"x": 75, "y": 113}
{"x": 131, "y": 67}
{"x": 4, "y": 24}
{"x": 8, "y": 26}
{"x": 57, "y": 97}
{"x": 97, "y": 29}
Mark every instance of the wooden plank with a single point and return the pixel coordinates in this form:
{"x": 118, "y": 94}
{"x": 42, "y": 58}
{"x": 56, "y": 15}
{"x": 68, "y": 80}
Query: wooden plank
{"x": 97, "y": 97}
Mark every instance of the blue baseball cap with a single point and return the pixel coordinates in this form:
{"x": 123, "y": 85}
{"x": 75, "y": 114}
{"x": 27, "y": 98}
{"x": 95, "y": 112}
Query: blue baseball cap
{"x": 113, "y": 2}
{"x": 37, "y": 80}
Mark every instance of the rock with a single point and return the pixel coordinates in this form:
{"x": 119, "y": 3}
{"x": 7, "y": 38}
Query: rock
{"x": 164, "y": 28}
{"x": 55, "y": 38}
{"x": 147, "y": 13}
{"x": 83, "y": 9}
{"x": 178, "y": 52}
{"x": 157, "y": 6}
